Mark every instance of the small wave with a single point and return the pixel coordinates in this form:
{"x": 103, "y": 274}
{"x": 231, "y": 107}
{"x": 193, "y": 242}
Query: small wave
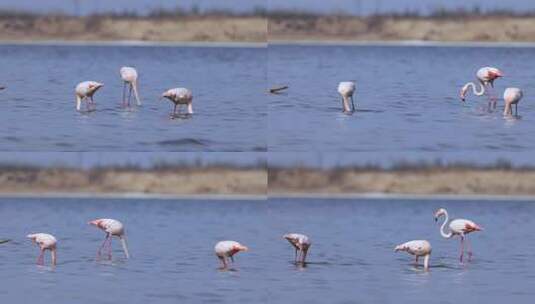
{"x": 183, "y": 142}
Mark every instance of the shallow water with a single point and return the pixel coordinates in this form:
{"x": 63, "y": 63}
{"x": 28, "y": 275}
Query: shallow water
{"x": 37, "y": 110}
{"x": 407, "y": 99}
{"x": 351, "y": 258}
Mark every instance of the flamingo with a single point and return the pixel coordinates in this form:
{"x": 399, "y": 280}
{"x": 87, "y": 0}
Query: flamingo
{"x": 301, "y": 243}
{"x": 347, "y": 89}
{"x": 512, "y": 96}
{"x": 486, "y": 77}
{"x": 460, "y": 227}
{"x": 112, "y": 228}
{"x": 179, "y": 96}
{"x": 129, "y": 76}
{"x": 417, "y": 248}
{"x": 86, "y": 90}
{"x": 45, "y": 242}
{"x": 226, "y": 249}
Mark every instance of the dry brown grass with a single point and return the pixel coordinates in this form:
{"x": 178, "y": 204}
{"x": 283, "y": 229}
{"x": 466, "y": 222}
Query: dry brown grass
{"x": 177, "y": 181}
{"x": 428, "y": 181}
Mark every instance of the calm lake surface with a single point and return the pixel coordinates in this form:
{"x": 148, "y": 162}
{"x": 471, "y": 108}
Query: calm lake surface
{"x": 37, "y": 110}
{"x": 407, "y": 99}
{"x": 351, "y": 259}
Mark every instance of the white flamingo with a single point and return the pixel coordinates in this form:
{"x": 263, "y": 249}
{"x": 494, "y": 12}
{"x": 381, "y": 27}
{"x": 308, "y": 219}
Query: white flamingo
{"x": 347, "y": 89}
{"x": 112, "y": 228}
{"x": 45, "y": 242}
{"x": 226, "y": 250}
{"x": 512, "y": 96}
{"x": 301, "y": 243}
{"x": 460, "y": 227}
{"x": 129, "y": 77}
{"x": 417, "y": 248}
{"x": 85, "y": 90}
{"x": 179, "y": 96}
{"x": 486, "y": 77}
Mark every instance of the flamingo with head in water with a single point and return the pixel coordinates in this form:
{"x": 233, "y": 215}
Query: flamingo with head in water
{"x": 460, "y": 227}
{"x": 301, "y": 244}
{"x": 180, "y": 97}
{"x": 112, "y": 228}
{"x": 347, "y": 89}
{"x": 511, "y": 96}
{"x": 226, "y": 250}
{"x": 45, "y": 242}
{"x": 85, "y": 90}
{"x": 485, "y": 77}
{"x": 129, "y": 77}
{"x": 417, "y": 248}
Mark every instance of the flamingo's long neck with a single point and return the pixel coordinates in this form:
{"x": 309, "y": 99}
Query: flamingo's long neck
{"x": 53, "y": 256}
{"x": 474, "y": 88}
{"x": 125, "y": 247}
{"x": 426, "y": 261}
{"x": 442, "y": 232}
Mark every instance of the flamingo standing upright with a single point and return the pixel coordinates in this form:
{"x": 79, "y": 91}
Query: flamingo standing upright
{"x": 85, "y": 90}
{"x": 226, "y": 250}
{"x": 129, "y": 76}
{"x": 45, "y": 242}
{"x": 460, "y": 227}
{"x": 486, "y": 77}
{"x": 347, "y": 89}
{"x": 417, "y": 248}
{"x": 301, "y": 243}
{"x": 512, "y": 96}
{"x": 179, "y": 96}
{"x": 112, "y": 228}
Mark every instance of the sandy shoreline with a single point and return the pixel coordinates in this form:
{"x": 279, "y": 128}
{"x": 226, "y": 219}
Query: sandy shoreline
{"x": 170, "y": 182}
{"x": 261, "y": 29}
{"x": 218, "y": 182}
{"x": 412, "y": 182}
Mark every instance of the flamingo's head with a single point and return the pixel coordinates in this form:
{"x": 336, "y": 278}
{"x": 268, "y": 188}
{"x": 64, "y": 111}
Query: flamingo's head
{"x": 32, "y": 237}
{"x": 440, "y": 212}
{"x": 464, "y": 90}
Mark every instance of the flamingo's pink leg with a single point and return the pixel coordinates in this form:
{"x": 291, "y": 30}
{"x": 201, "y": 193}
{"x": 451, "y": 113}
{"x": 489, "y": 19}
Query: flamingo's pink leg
{"x": 469, "y": 247}
{"x": 41, "y": 258}
{"x": 99, "y": 252}
{"x": 416, "y": 260}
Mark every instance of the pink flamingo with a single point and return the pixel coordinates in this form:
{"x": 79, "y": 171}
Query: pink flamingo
{"x": 129, "y": 77}
{"x": 512, "y": 96}
{"x": 45, "y": 242}
{"x": 112, "y": 228}
{"x": 347, "y": 89}
{"x": 85, "y": 90}
{"x": 486, "y": 77}
{"x": 301, "y": 243}
{"x": 226, "y": 250}
{"x": 460, "y": 227}
{"x": 179, "y": 96}
{"x": 417, "y": 248}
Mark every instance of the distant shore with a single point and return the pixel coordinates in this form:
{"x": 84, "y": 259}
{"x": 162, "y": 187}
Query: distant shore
{"x": 37, "y": 28}
{"x": 278, "y": 27}
{"x": 132, "y": 182}
{"x": 412, "y": 182}
{"x": 216, "y": 182}
{"x": 465, "y": 28}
